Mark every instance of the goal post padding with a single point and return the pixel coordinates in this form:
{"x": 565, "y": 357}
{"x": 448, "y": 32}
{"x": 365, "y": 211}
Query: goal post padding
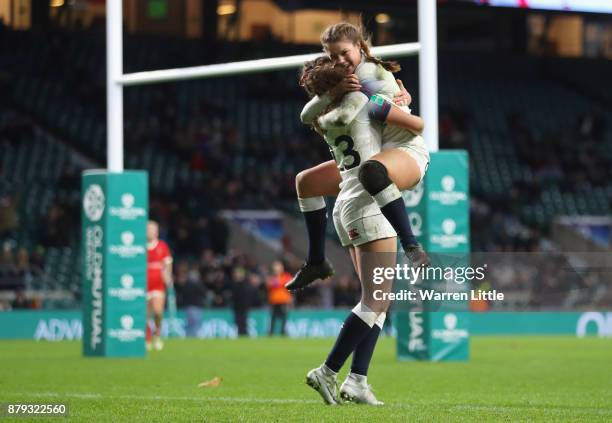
{"x": 114, "y": 267}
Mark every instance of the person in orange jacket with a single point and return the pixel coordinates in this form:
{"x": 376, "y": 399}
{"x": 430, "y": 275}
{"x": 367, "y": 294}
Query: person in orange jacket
{"x": 278, "y": 296}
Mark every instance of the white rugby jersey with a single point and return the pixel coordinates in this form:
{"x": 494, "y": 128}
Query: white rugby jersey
{"x": 352, "y": 139}
{"x": 387, "y": 87}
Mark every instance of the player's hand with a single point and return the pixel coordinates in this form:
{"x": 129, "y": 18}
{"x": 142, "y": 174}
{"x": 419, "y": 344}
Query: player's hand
{"x": 402, "y": 98}
{"x": 348, "y": 84}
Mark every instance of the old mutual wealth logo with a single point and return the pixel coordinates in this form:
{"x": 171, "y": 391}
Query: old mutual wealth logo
{"x": 127, "y": 291}
{"x": 127, "y": 322}
{"x": 448, "y": 196}
{"x": 450, "y": 333}
{"x": 127, "y": 249}
{"x": 449, "y": 239}
{"x": 127, "y": 211}
{"x": 127, "y": 332}
{"x": 94, "y": 268}
{"x": 93, "y": 202}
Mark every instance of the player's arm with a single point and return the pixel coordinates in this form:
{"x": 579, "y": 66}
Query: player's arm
{"x": 403, "y": 97}
{"x": 375, "y": 80}
{"x": 167, "y": 269}
{"x": 383, "y": 110}
{"x": 315, "y": 107}
{"x": 347, "y": 110}
{"x": 319, "y": 103}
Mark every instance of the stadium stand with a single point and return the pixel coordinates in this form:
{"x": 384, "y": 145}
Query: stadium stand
{"x": 226, "y": 144}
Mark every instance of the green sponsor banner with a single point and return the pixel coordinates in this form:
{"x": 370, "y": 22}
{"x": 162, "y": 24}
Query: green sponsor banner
{"x": 439, "y": 214}
{"x": 219, "y": 323}
{"x": 114, "y": 218}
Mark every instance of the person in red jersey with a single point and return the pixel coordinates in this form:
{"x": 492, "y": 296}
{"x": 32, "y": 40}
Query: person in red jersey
{"x": 159, "y": 275}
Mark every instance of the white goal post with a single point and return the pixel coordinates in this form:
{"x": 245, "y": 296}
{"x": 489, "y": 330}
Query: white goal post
{"x": 116, "y": 79}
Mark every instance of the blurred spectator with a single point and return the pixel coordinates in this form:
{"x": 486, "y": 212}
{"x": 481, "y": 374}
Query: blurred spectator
{"x": 7, "y": 259}
{"x": 9, "y": 217}
{"x": 326, "y": 294}
{"x": 591, "y": 126}
{"x": 22, "y": 264}
{"x": 241, "y": 294}
{"x": 346, "y": 292}
{"x": 21, "y": 302}
{"x": 452, "y": 128}
{"x": 56, "y": 227}
{"x": 278, "y": 296}
{"x": 192, "y": 295}
{"x": 256, "y": 285}
{"x": 10, "y": 277}
{"x": 219, "y": 235}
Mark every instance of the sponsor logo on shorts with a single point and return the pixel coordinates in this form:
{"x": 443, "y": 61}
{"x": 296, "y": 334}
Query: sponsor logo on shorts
{"x": 353, "y": 234}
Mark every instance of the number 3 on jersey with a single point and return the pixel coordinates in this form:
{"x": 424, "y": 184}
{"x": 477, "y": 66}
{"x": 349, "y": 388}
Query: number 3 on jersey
{"x": 347, "y": 151}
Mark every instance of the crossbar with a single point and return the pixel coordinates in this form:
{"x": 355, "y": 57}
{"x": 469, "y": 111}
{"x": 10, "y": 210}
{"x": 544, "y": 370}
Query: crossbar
{"x": 249, "y": 66}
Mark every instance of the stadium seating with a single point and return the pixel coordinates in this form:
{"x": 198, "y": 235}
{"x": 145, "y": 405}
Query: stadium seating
{"x": 179, "y": 132}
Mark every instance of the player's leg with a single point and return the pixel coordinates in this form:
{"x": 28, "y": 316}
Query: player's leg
{"x": 322, "y": 379}
{"x": 359, "y": 330}
{"x": 311, "y": 186}
{"x": 364, "y": 315}
{"x": 373, "y": 235}
{"x": 283, "y": 319}
{"x": 149, "y": 335}
{"x": 370, "y": 256}
{"x": 383, "y": 176}
{"x": 322, "y": 180}
{"x": 157, "y": 303}
{"x": 353, "y": 254}
{"x": 273, "y": 318}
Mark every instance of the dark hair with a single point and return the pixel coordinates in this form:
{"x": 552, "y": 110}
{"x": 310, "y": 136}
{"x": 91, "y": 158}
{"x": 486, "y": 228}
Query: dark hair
{"x": 356, "y": 34}
{"x": 320, "y": 75}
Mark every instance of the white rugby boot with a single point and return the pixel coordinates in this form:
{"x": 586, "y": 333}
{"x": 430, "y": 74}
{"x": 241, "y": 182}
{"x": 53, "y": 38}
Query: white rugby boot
{"x": 158, "y": 344}
{"x": 358, "y": 392}
{"x": 324, "y": 382}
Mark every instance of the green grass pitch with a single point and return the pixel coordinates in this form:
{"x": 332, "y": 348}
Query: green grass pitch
{"x": 507, "y": 379}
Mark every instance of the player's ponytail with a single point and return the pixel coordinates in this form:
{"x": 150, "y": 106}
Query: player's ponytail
{"x": 356, "y": 34}
{"x": 305, "y": 76}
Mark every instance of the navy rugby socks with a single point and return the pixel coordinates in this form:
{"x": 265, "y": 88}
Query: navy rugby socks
{"x": 355, "y": 329}
{"x": 315, "y": 216}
